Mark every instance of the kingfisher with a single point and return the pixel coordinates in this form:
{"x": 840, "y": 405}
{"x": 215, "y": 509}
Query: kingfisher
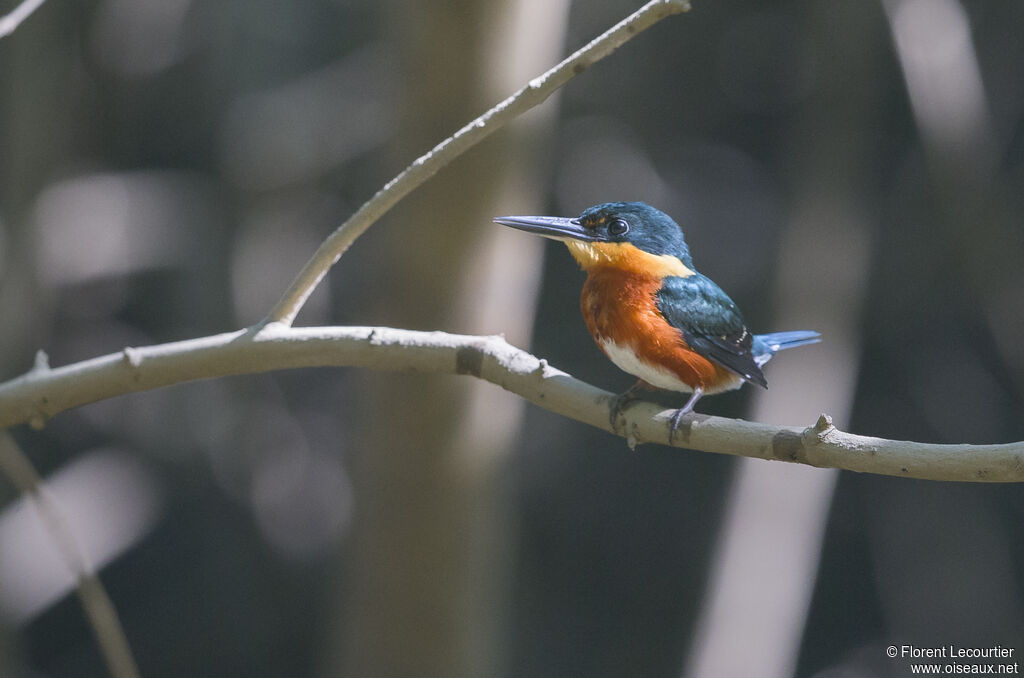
{"x": 651, "y": 312}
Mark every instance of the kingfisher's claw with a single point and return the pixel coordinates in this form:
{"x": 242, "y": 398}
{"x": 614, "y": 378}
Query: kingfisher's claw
{"x": 622, "y": 401}
{"x": 673, "y": 423}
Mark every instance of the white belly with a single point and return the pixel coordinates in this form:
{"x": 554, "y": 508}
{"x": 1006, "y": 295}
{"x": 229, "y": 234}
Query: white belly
{"x": 628, "y": 361}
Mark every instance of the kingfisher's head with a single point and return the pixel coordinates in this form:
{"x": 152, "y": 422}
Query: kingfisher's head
{"x": 630, "y": 235}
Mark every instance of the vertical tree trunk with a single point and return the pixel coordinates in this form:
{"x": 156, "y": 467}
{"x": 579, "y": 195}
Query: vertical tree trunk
{"x": 426, "y": 578}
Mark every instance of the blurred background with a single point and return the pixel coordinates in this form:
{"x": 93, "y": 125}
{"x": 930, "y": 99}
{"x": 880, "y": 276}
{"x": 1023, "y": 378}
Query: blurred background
{"x": 166, "y": 166}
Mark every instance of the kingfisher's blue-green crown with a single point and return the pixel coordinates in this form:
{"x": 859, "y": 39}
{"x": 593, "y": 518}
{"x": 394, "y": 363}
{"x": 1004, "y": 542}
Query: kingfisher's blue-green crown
{"x": 640, "y": 225}
{"x": 611, "y": 223}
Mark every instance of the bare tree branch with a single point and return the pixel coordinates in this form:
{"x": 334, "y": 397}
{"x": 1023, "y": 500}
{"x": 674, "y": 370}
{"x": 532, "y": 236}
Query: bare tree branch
{"x": 10, "y": 21}
{"x": 43, "y": 392}
{"x": 424, "y": 167}
{"x": 97, "y": 604}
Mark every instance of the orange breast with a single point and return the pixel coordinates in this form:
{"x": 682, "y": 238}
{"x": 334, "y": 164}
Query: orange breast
{"x": 619, "y": 306}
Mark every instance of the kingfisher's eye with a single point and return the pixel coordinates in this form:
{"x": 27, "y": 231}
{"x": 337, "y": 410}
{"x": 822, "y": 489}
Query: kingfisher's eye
{"x": 618, "y": 227}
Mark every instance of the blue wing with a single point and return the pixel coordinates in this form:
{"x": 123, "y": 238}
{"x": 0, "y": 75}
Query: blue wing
{"x": 711, "y": 324}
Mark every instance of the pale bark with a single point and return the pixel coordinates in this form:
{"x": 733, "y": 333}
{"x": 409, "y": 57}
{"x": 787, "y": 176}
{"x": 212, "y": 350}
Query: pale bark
{"x": 44, "y": 392}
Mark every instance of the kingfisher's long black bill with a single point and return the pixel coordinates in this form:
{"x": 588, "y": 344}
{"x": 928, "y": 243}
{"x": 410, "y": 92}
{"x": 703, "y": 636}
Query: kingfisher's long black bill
{"x": 559, "y": 228}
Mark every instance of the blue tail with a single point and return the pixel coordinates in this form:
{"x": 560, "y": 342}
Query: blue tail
{"x": 766, "y": 345}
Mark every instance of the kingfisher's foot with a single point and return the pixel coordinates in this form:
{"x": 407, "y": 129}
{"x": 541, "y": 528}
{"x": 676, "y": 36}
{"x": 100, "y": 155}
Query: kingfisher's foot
{"x": 624, "y": 400}
{"x": 673, "y": 423}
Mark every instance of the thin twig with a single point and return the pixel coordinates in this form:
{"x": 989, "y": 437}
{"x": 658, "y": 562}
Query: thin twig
{"x": 43, "y": 392}
{"x": 97, "y": 604}
{"x": 424, "y": 167}
{"x": 10, "y": 21}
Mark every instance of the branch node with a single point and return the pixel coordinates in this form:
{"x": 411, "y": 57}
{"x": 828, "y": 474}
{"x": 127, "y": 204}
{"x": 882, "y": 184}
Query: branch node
{"x": 787, "y": 445}
{"x": 42, "y": 362}
{"x": 263, "y": 328}
{"x": 377, "y": 337}
{"x": 631, "y": 440}
{"x": 823, "y": 426}
{"x": 470, "y": 359}
{"x": 37, "y": 421}
{"x": 132, "y": 356}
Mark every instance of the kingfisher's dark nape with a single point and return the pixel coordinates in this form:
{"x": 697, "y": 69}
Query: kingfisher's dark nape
{"x": 651, "y": 312}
